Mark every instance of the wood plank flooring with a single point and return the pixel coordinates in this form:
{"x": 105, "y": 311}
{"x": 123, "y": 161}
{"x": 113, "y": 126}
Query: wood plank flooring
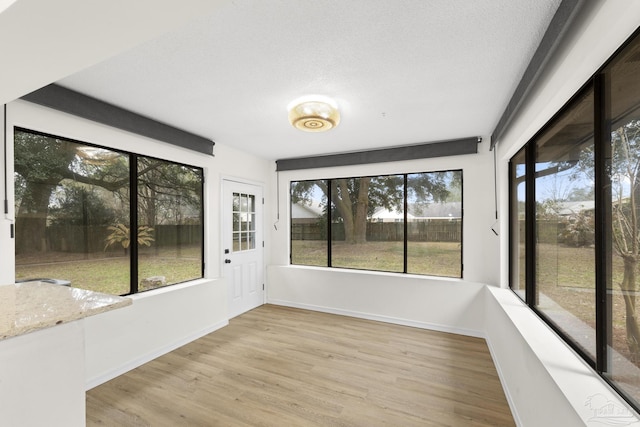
{"x": 278, "y": 366}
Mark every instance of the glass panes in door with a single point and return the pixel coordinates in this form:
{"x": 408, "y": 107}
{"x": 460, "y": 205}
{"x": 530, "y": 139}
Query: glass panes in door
{"x": 244, "y": 222}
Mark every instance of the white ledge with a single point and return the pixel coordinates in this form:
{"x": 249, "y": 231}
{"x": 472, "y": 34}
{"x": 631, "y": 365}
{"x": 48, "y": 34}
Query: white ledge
{"x": 560, "y": 384}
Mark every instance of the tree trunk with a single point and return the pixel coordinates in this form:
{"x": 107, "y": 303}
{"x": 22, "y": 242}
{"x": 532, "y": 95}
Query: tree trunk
{"x": 628, "y": 287}
{"x": 343, "y": 205}
{"x": 360, "y": 215}
{"x": 626, "y": 240}
{"x": 354, "y": 215}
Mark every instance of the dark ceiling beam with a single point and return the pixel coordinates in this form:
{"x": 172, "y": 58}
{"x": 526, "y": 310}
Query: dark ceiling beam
{"x": 408, "y": 152}
{"x": 77, "y": 104}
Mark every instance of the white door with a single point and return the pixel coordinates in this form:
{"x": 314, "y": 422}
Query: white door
{"x": 242, "y": 249}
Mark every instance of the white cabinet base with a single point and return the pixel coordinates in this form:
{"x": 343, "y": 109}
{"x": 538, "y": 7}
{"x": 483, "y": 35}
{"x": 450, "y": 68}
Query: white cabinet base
{"x": 42, "y": 377}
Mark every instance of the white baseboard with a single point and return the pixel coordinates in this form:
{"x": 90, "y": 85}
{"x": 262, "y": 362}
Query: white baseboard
{"x": 111, "y": 374}
{"x": 381, "y": 318}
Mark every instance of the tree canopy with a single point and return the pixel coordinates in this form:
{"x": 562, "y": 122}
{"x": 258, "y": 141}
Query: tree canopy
{"x": 354, "y": 200}
{"x": 60, "y": 181}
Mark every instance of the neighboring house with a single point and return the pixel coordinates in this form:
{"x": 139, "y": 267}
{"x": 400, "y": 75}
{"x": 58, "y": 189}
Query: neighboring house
{"x": 385, "y": 215}
{"x": 447, "y": 210}
{"x": 575, "y": 207}
{"x": 306, "y": 214}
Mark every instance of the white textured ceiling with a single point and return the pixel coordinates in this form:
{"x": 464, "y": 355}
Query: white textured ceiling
{"x": 43, "y": 40}
{"x": 402, "y": 72}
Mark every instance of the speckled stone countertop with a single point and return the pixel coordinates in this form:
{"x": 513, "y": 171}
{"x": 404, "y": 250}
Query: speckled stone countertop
{"x": 30, "y": 306}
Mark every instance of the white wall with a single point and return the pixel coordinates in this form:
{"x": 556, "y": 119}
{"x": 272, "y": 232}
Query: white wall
{"x": 162, "y": 319}
{"x": 446, "y": 305}
{"x": 156, "y": 323}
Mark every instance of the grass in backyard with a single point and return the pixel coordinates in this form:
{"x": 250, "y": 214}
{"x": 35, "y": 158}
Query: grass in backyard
{"x": 565, "y": 266}
{"x": 429, "y": 258}
{"x": 434, "y": 258}
{"x": 567, "y": 276}
{"x": 309, "y": 252}
{"x": 380, "y": 256}
{"x": 110, "y": 274}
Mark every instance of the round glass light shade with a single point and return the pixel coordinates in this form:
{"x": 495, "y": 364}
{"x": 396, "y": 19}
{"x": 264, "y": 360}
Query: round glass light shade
{"x": 314, "y": 116}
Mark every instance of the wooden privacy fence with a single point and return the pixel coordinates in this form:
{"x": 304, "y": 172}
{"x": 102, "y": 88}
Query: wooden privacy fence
{"x": 89, "y": 239}
{"x": 422, "y": 231}
{"x": 553, "y": 232}
{"x": 308, "y": 232}
{"x": 435, "y": 231}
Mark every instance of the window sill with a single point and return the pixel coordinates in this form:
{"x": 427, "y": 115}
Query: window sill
{"x": 168, "y": 289}
{"x": 377, "y": 273}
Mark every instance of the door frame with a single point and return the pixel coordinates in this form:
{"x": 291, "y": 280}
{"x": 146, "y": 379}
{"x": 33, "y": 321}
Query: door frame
{"x": 260, "y": 223}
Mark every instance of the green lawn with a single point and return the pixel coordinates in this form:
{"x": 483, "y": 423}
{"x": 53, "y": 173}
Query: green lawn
{"x": 567, "y": 276}
{"x": 429, "y": 258}
{"x": 109, "y": 273}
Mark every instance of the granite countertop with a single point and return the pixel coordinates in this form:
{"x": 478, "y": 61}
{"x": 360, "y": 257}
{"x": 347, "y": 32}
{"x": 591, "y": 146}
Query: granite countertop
{"x": 30, "y": 306}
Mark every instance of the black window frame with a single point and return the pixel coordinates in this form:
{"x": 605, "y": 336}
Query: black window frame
{"x": 531, "y": 225}
{"x": 133, "y": 200}
{"x": 404, "y": 176}
{"x": 603, "y": 203}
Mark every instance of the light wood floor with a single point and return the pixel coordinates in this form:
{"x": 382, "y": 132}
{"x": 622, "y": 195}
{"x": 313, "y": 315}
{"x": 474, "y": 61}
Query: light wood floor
{"x": 277, "y": 366}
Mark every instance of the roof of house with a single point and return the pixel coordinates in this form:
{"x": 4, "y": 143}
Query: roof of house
{"x": 300, "y": 210}
{"x": 574, "y": 207}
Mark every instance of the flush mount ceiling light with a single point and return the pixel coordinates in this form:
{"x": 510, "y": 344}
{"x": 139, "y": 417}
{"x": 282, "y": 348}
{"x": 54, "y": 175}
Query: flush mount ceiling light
{"x": 314, "y": 113}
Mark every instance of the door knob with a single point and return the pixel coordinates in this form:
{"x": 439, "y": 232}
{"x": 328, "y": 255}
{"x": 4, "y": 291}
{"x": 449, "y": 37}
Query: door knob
{"x": 227, "y": 261}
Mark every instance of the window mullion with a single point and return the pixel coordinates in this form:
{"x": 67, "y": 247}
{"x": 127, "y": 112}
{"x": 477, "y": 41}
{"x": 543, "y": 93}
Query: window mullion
{"x": 329, "y": 211}
{"x": 202, "y": 230}
{"x": 530, "y": 225}
{"x": 405, "y": 227}
{"x": 602, "y": 156}
{"x": 133, "y": 221}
